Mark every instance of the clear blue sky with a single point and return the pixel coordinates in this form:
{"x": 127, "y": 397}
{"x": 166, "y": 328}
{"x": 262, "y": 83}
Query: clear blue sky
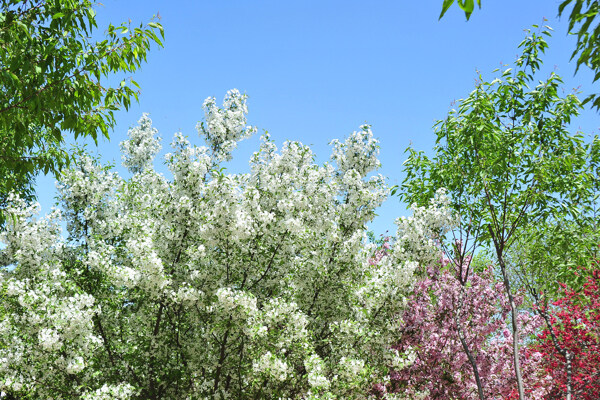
{"x": 317, "y": 70}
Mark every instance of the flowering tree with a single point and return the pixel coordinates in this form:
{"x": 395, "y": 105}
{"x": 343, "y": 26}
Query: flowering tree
{"x": 446, "y": 324}
{"x": 571, "y": 342}
{"x": 509, "y": 163}
{"x": 209, "y": 285}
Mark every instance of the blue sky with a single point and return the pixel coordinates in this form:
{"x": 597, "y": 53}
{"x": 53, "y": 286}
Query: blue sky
{"x": 317, "y": 70}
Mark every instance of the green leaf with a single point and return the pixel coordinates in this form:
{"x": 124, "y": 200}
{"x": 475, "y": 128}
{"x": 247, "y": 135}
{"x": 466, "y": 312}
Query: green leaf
{"x": 445, "y": 6}
{"x": 467, "y": 6}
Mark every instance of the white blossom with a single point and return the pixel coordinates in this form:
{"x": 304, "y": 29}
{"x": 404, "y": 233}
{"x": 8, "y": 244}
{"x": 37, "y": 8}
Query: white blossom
{"x": 141, "y": 147}
{"x": 110, "y": 392}
{"x": 49, "y": 339}
{"x": 224, "y": 127}
{"x": 209, "y": 285}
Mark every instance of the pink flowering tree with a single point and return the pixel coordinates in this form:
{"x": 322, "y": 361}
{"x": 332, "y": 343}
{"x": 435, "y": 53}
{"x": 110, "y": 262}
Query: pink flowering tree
{"x": 449, "y": 327}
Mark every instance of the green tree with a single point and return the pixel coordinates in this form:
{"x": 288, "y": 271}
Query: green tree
{"x": 508, "y": 162}
{"x": 552, "y": 252}
{"x": 583, "y": 22}
{"x": 52, "y": 81}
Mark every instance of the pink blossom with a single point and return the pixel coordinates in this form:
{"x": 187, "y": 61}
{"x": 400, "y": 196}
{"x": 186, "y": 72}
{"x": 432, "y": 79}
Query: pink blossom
{"x": 431, "y": 330}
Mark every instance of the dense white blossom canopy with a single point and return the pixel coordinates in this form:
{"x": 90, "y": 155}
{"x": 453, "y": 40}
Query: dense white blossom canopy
{"x": 209, "y": 285}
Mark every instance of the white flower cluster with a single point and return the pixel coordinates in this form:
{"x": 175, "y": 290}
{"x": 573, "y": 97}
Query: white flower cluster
{"x": 110, "y": 392}
{"x": 142, "y": 146}
{"x": 84, "y": 191}
{"x": 419, "y": 235}
{"x": 272, "y": 365}
{"x": 188, "y": 164}
{"x": 316, "y": 373}
{"x": 226, "y": 126}
{"x": 209, "y": 285}
{"x": 359, "y": 152}
{"x": 47, "y": 322}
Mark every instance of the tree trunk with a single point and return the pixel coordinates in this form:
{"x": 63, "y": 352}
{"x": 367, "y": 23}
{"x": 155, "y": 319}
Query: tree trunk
{"x": 569, "y": 357}
{"x": 465, "y": 347}
{"x": 565, "y": 353}
{"x": 515, "y": 325}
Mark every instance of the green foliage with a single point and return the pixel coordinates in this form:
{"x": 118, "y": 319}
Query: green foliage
{"x": 545, "y": 254}
{"x": 51, "y": 82}
{"x": 587, "y": 50}
{"x": 508, "y": 161}
{"x": 466, "y": 5}
{"x": 582, "y": 22}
